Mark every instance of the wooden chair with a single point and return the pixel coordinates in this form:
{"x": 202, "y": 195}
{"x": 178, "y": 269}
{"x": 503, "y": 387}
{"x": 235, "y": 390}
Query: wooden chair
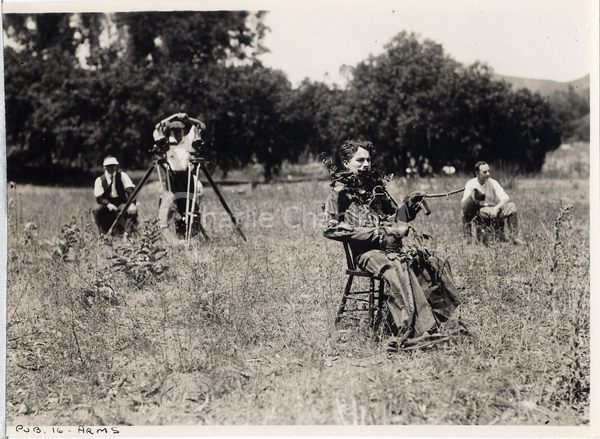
{"x": 374, "y": 294}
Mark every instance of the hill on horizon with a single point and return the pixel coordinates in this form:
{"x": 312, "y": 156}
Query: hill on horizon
{"x": 546, "y": 86}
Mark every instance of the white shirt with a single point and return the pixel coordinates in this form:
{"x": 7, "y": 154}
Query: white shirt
{"x": 178, "y": 155}
{"x": 99, "y": 190}
{"x": 494, "y": 193}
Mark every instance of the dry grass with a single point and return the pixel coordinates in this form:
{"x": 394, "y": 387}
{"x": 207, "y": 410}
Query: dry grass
{"x": 242, "y": 333}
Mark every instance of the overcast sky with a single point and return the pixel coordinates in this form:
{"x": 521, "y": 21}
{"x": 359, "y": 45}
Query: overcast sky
{"x": 546, "y": 39}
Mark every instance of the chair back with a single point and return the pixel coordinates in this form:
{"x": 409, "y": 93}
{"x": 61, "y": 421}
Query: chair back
{"x": 349, "y": 257}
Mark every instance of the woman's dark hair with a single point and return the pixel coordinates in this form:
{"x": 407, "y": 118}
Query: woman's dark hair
{"x": 343, "y": 153}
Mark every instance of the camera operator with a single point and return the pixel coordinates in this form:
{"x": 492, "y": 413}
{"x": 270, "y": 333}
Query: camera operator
{"x": 180, "y": 136}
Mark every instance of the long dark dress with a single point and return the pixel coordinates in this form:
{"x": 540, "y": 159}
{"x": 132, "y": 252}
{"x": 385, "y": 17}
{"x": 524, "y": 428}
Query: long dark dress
{"x": 420, "y": 288}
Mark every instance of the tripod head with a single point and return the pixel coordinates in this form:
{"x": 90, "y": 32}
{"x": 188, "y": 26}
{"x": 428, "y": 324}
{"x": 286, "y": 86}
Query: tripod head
{"x": 178, "y": 126}
{"x": 161, "y": 146}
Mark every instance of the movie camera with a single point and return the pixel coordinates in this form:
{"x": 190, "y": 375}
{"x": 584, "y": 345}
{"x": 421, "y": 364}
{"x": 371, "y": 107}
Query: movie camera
{"x": 161, "y": 146}
{"x": 196, "y": 163}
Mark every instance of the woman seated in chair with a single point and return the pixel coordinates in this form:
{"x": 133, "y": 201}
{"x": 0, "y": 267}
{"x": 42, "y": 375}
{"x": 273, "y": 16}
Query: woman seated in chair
{"x": 421, "y": 295}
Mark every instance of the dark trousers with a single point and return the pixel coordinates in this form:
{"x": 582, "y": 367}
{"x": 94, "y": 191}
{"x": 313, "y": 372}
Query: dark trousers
{"x": 485, "y": 221}
{"x": 179, "y": 187}
{"x": 104, "y": 217}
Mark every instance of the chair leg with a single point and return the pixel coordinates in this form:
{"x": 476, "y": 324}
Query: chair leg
{"x": 342, "y": 307}
{"x": 380, "y": 297}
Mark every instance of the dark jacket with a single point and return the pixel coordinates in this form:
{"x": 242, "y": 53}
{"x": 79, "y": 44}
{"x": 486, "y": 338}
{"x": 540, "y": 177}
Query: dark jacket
{"x": 355, "y": 216}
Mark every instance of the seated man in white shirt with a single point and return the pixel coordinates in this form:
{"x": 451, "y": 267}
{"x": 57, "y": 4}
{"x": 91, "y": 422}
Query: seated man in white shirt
{"x": 112, "y": 189}
{"x": 183, "y": 135}
{"x": 484, "y": 197}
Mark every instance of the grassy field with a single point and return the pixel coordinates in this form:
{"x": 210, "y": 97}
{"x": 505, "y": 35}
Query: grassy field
{"x": 243, "y": 333}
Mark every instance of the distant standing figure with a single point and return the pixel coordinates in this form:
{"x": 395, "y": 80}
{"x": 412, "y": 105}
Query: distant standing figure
{"x": 485, "y": 197}
{"x": 411, "y": 170}
{"x": 112, "y": 189}
{"x": 448, "y": 169}
{"x": 426, "y": 168}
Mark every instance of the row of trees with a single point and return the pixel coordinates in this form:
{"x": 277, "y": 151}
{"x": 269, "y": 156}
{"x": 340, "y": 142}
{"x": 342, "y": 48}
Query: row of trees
{"x": 572, "y": 110}
{"x": 79, "y": 86}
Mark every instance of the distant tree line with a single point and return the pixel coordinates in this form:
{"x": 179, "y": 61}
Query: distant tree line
{"x": 572, "y": 110}
{"x": 80, "y": 86}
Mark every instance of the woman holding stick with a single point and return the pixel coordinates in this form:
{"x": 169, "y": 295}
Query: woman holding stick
{"x": 421, "y": 295}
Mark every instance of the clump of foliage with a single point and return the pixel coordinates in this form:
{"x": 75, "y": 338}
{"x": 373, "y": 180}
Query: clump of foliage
{"x": 142, "y": 259}
{"x": 570, "y": 385}
{"x": 558, "y": 224}
{"x": 69, "y": 242}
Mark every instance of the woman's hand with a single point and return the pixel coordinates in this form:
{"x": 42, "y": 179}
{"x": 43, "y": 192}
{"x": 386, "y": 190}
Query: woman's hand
{"x": 344, "y": 226}
{"x": 391, "y": 236}
{"x": 414, "y": 197}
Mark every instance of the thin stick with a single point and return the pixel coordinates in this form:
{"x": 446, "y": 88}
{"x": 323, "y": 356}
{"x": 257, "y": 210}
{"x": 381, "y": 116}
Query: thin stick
{"x": 444, "y": 194}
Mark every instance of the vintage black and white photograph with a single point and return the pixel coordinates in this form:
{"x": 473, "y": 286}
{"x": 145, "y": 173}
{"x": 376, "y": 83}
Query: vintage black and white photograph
{"x": 315, "y": 214}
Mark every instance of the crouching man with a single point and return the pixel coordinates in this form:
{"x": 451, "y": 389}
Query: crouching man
{"x": 112, "y": 189}
{"x": 485, "y": 201}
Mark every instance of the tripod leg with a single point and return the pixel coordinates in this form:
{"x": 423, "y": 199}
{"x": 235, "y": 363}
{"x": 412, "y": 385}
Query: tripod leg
{"x": 193, "y": 209}
{"x": 162, "y": 187}
{"x": 132, "y": 197}
{"x": 222, "y": 200}
{"x": 187, "y": 204}
{"x": 203, "y": 231}
{"x": 342, "y": 306}
{"x": 167, "y": 179}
